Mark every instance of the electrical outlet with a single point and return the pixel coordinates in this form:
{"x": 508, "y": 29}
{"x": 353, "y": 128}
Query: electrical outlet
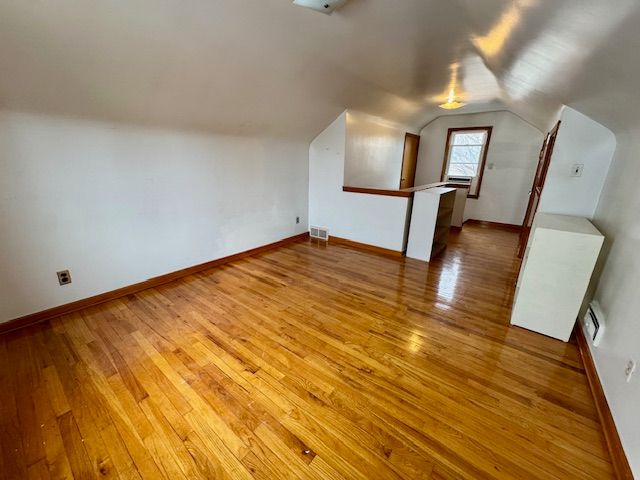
{"x": 64, "y": 277}
{"x": 631, "y": 367}
{"x": 297, "y": 220}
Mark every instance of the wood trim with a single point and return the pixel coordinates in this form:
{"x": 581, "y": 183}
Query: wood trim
{"x": 483, "y": 161}
{"x": 553, "y": 135}
{"x": 505, "y": 226}
{"x": 544, "y": 161}
{"x": 67, "y": 308}
{"x": 612, "y": 439}
{"x": 378, "y": 191}
{"x": 405, "y": 192}
{"x": 365, "y": 246}
{"x": 446, "y": 155}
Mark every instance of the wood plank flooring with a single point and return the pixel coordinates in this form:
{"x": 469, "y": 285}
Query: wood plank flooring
{"x": 311, "y": 361}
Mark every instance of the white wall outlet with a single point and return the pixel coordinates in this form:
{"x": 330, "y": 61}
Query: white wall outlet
{"x": 64, "y": 277}
{"x": 576, "y": 170}
{"x": 631, "y": 367}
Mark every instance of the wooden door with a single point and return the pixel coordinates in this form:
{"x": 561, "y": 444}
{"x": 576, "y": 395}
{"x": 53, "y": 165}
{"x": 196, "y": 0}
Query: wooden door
{"x": 544, "y": 161}
{"x": 409, "y": 160}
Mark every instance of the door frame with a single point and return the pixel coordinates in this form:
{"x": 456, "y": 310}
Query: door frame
{"x": 539, "y": 179}
{"x": 415, "y": 164}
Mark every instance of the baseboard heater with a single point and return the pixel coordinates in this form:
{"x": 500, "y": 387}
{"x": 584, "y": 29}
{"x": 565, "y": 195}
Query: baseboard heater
{"x": 319, "y": 233}
{"x": 594, "y": 323}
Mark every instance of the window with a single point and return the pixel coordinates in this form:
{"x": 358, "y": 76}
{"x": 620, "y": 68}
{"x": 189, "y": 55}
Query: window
{"x": 465, "y": 156}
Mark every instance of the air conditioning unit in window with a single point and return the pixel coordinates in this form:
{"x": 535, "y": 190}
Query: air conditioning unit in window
{"x": 459, "y": 179}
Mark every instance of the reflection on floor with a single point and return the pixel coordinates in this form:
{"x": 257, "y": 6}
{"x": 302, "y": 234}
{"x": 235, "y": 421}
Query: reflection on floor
{"x": 310, "y": 361}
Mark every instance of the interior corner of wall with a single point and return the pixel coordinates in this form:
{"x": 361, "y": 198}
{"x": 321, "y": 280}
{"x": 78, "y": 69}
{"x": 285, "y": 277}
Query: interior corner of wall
{"x": 568, "y": 111}
{"x": 561, "y": 110}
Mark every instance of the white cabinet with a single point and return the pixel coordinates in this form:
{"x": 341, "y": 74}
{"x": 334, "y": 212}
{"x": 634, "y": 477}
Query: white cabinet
{"x": 430, "y": 222}
{"x": 557, "y": 266}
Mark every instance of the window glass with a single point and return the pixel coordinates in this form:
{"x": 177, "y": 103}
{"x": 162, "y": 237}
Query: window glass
{"x": 464, "y": 160}
{"x": 473, "y": 138}
{"x": 465, "y": 156}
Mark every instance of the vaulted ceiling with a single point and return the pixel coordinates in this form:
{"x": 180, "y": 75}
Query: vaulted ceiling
{"x": 266, "y": 67}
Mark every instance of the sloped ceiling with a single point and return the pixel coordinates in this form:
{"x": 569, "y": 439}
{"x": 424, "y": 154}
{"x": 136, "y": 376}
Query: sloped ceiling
{"x": 266, "y": 67}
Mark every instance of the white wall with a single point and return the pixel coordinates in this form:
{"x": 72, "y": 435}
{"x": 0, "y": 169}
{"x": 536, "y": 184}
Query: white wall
{"x": 618, "y": 218}
{"x": 118, "y": 204}
{"x": 511, "y": 162}
{"x": 373, "y": 152}
{"x": 580, "y": 141}
{"x": 371, "y": 219}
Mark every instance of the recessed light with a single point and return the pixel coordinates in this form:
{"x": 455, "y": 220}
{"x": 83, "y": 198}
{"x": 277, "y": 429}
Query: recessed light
{"x": 324, "y": 6}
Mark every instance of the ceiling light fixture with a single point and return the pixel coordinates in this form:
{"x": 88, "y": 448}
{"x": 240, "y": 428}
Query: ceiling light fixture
{"x": 324, "y": 6}
{"x": 452, "y": 102}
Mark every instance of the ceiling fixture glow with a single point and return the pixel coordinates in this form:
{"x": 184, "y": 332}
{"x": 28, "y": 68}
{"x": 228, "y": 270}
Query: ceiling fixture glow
{"x": 324, "y": 6}
{"x": 452, "y": 102}
{"x": 493, "y": 42}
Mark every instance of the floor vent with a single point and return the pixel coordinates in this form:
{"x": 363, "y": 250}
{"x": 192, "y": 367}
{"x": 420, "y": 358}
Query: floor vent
{"x": 319, "y": 233}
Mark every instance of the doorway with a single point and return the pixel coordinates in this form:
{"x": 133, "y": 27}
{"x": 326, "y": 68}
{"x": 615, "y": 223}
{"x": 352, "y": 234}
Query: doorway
{"x": 409, "y": 160}
{"x": 544, "y": 159}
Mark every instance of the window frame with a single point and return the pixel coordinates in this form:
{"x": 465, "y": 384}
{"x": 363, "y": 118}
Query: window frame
{"x": 483, "y": 155}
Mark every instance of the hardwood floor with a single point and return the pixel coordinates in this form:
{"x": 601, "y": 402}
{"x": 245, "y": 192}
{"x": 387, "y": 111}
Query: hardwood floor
{"x": 311, "y": 361}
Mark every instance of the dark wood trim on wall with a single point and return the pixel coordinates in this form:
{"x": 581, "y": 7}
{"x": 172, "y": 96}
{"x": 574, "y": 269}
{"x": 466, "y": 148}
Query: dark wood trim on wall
{"x": 54, "y": 312}
{"x": 407, "y": 192}
{"x": 544, "y": 161}
{"x": 612, "y": 438}
{"x": 483, "y": 161}
{"x": 378, "y": 191}
{"x": 365, "y": 246}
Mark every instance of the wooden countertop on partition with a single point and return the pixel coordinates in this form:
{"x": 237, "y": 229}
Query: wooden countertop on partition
{"x": 425, "y": 187}
{"x": 378, "y": 191}
{"x": 405, "y": 192}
